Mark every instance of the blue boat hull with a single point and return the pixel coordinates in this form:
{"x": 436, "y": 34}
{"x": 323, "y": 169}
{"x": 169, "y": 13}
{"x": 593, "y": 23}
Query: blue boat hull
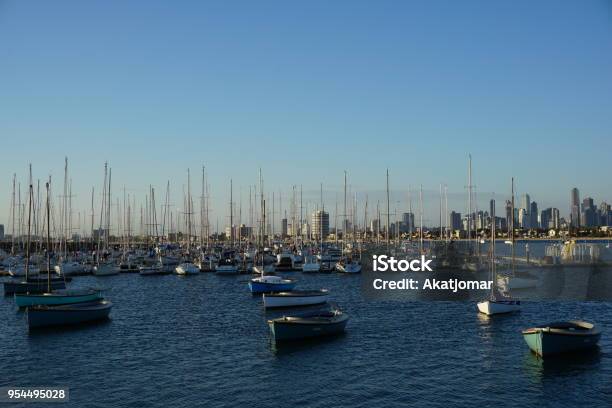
{"x": 260, "y": 287}
{"x": 68, "y": 315}
{"x": 544, "y": 344}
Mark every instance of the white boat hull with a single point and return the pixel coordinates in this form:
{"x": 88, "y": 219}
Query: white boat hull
{"x": 311, "y": 267}
{"x": 349, "y": 268}
{"x": 226, "y": 270}
{"x": 278, "y": 301}
{"x": 187, "y": 269}
{"x": 105, "y": 270}
{"x": 490, "y": 307}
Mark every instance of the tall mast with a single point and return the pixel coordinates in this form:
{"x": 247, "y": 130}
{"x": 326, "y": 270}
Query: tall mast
{"x": 344, "y": 220}
{"x": 512, "y": 224}
{"x": 231, "y": 213}
{"x": 13, "y": 218}
{"x": 92, "y": 212}
{"x": 469, "y": 218}
{"x": 30, "y": 198}
{"x": 48, "y": 240}
{"x": 421, "y": 218}
{"x": 388, "y": 211}
{"x": 188, "y": 211}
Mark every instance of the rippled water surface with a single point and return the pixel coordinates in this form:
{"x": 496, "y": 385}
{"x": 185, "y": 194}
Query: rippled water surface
{"x": 203, "y": 341}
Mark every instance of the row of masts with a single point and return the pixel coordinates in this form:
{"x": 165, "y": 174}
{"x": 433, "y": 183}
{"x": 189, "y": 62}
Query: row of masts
{"x": 162, "y": 223}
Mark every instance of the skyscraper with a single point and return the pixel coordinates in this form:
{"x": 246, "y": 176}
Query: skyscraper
{"x": 455, "y": 219}
{"x": 546, "y": 218}
{"x": 525, "y": 202}
{"x": 320, "y": 224}
{"x": 408, "y": 221}
{"x": 589, "y": 213}
{"x": 523, "y": 218}
{"x": 533, "y": 215}
{"x": 575, "y": 208}
{"x": 509, "y": 215}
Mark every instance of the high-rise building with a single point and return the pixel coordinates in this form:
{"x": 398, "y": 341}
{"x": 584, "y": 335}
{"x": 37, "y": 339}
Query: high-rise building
{"x": 533, "y": 215}
{"x": 1, "y": 232}
{"x": 546, "y": 218}
{"x": 320, "y": 224}
{"x": 575, "y": 208}
{"x": 284, "y": 227}
{"x": 556, "y": 219}
{"x": 523, "y": 218}
{"x": 605, "y": 214}
{"x": 525, "y": 203}
{"x": 374, "y": 226}
{"x": 408, "y": 221}
{"x": 455, "y": 220}
{"x": 589, "y": 213}
{"x": 509, "y": 213}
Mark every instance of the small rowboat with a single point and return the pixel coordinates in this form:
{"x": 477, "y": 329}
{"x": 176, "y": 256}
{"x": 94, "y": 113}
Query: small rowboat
{"x": 44, "y": 316}
{"x": 58, "y": 297}
{"x": 295, "y": 298}
{"x": 271, "y": 283}
{"x": 307, "y": 325}
{"x": 561, "y": 337}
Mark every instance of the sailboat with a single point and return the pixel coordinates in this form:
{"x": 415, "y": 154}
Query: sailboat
{"x": 267, "y": 283}
{"x": 105, "y": 267}
{"x": 347, "y": 264}
{"x": 50, "y": 297}
{"x": 187, "y": 267}
{"x": 497, "y": 303}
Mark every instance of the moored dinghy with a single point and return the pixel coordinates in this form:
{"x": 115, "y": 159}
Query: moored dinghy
{"x": 295, "y": 298}
{"x": 307, "y": 325}
{"x": 271, "y": 283}
{"x": 58, "y": 297}
{"x": 561, "y": 337}
{"x": 45, "y": 316}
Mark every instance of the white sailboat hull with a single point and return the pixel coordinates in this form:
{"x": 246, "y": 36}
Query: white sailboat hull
{"x": 187, "y": 269}
{"x": 349, "y": 268}
{"x": 491, "y": 307}
{"x": 311, "y": 267}
{"x": 105, "y": 270}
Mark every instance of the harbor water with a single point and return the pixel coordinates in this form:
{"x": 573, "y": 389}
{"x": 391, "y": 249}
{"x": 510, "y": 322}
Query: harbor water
{"x": 203, "y": 341}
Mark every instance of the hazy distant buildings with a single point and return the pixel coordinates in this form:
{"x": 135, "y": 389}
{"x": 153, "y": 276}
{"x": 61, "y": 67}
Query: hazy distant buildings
{"x": 320, "y": 224}
{"x": 1, "y": 232}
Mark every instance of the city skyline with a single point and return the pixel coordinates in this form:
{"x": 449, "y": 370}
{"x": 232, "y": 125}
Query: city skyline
{"x": 313, "y": 90}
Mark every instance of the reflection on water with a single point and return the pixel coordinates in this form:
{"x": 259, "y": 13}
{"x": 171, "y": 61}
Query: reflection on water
{"x": 309, "y": 345}
{"x": 566, "y": 365}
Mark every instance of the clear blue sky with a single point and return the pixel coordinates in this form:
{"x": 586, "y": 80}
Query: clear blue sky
{"x": 307, "y": 89}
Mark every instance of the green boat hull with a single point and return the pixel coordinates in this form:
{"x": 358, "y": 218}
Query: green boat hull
{"x": 25, "y": 300}
{"x": 544, "y": 344}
